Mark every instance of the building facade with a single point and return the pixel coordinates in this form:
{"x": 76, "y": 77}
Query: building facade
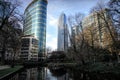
{"x": 62, "y": 33}
{"x": 29, "y": 48}
{"x": 35, "y": 23}
{"x": 96, "y": 29}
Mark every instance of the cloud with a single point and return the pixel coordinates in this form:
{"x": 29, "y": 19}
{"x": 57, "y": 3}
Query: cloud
{"x": 48, "y": 36}
{"x": 52, "y": 21}
{"x": 51, "y": 41}
{"x": 51, "y": 37}
{"x": 24, "y": 4}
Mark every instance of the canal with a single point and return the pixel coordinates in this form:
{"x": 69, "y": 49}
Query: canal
{"x": 44, "y": 73}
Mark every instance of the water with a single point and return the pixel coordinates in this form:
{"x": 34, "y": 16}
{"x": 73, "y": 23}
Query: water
{"x": 41, "y": 73}
{"x": 44, "y": 73}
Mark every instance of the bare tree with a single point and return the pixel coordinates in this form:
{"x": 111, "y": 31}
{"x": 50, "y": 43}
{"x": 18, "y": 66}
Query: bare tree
{"x": 15, "y": 43}
{"x": 114, "y": 8}
{"x": 104, "y": 16}
{"x": 78, "y": 44}
{"x": 9, "y": 9}
{"x": 9, "y": 17}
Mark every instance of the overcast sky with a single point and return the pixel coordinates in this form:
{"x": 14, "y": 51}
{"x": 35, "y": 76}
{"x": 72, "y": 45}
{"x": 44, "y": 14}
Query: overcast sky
{"x": 55, "y": 8}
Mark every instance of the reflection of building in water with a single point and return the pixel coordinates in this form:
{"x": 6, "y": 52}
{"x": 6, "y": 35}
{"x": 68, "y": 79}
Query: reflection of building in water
{"x": 23, "y": 75}
{"x": 41, "y": 73}
{"x": 49, "y": 75}
{"x": 29, "y": 74}
{"x": 12, "y": 77}
{"x": 63, "y": 77}
{"x": 60, "y": 74}
{"x": 33, "y": 74}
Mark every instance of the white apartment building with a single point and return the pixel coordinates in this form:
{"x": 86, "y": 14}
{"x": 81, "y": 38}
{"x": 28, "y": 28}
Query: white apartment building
{"x": 29, "y": 48}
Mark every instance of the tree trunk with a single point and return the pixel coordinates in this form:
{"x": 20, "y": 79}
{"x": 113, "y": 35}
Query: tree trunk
{"x": 13, "y": 60}
{"x": 3, "y": 54}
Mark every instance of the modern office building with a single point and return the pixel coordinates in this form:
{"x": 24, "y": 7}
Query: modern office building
{"x": 35, "y": 23}
{"x": 62, "y": 33}
{"x": 29, "y": 48}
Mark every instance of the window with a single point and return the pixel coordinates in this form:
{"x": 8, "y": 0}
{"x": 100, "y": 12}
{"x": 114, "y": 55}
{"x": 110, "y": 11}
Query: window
{"x": 34, "y": 41}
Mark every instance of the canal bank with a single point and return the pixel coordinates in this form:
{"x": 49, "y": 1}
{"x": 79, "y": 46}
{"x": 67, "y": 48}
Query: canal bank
{"x": 69, "y": 71}
{"x": 6, "y": 73}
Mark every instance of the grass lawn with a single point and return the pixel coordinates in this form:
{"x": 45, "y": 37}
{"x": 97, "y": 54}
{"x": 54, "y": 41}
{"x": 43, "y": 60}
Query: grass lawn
{"x": 9, "y": 70}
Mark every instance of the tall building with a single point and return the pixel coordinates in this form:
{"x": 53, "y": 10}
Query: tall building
{"x": 35, "y": 23}
{"x": 62, "y": 33}
{"x": 95, "y": 28}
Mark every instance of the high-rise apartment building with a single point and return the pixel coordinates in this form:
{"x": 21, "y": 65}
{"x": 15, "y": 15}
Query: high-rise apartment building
{"x": 62, "y": 33}
{"x": 35, "y": 23}
{"x": 96, "y": 30}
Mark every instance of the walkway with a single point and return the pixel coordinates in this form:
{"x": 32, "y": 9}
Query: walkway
{"x": 4, "y": 67}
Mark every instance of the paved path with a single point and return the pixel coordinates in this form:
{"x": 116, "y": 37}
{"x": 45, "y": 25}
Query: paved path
{"x": 4, "y": 67}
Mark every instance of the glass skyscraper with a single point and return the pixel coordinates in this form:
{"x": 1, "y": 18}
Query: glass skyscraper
{"x": 62, "y": 33}
{"x": 35, "y": 23}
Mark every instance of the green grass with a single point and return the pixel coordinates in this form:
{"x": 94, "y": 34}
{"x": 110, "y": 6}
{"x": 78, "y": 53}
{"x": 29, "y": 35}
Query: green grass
{"x": 9, "y": 70}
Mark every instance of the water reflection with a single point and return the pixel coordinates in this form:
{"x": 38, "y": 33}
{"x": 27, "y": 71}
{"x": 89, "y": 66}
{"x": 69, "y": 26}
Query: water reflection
{"x": 44, "y": 73}
{"x": 59, "y": 74}
{"x": 28, "y": 74}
